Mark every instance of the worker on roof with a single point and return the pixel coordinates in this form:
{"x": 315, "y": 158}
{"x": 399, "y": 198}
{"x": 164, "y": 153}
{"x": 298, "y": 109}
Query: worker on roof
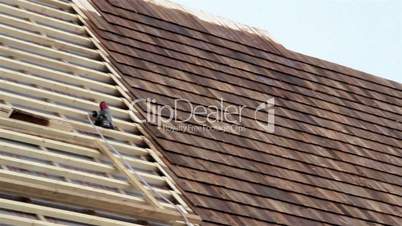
{"x": 103, "y": 118}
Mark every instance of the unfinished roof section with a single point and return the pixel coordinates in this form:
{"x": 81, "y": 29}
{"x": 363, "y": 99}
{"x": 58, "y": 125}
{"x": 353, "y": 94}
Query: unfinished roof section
{"x": 52, "y": 73}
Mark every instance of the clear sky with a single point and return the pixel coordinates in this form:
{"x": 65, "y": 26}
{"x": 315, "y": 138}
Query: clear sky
{"x": 362, "y": 34}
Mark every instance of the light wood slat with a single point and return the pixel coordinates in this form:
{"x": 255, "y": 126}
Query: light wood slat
{"x": 44, "y": 61}
{"x": 54, "y": 75}
{"x": 65, "y": 187}
{"x": 85, "y": 127}
{"x": 48, "y": 143}
{"x": 38, "y": 187}
{"x": 72, "y": 101}
{"x": 59, "y": 158}
{"x": 152, "y": 179}
{"x": 66, "y": 147}
{"x": 5, "y": 111}
{"x": 20, "y": 13}
{"x": 45, "y": 106}
{"x": 133, "y": 179}
{"x": 51, "y": 32}
{"x": 139, "y": 164}
{"x": 21, "y": 221}
{"x": 53, "y": 53}
{"x": 61, "y": 87}
{"x": 66, "y": 160}
{"x": 70, "y": 161}
{"x": 43, "y": 10}
{"x": 56, "y": 3}
{"x": 46, "y": 41}
{"x": 63, "y": 172}
{"x": 80, "y": 139}
{"x": 80, "y": 175}
{"x": 60, "y": 214}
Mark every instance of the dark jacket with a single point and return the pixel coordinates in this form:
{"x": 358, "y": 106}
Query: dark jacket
{"x": 104, "y": 118}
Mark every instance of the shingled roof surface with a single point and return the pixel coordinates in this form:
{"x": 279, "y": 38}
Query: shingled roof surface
{"x": 335, "y": 157}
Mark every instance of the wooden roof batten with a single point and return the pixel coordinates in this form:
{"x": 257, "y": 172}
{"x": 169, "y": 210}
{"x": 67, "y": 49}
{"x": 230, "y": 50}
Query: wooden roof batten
{"x": 52, "y": 115}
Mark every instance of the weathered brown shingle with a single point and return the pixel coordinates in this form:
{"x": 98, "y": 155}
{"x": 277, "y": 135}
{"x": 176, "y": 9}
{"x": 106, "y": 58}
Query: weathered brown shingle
{"x": 335, "y": 157}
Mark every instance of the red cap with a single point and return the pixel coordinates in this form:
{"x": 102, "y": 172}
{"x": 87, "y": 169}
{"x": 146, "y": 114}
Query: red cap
{"x": 103, "y": 105}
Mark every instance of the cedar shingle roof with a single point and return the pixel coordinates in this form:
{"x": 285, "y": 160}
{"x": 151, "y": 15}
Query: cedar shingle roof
{"x": 335, "y": 157}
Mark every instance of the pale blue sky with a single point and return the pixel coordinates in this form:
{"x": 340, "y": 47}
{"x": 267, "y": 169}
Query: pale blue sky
{"x": 362, "y": 34}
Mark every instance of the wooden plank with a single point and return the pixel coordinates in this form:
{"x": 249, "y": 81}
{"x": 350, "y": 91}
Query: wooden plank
{"x": 74, "y": 138}
{"x": 63, "y": 172}
{"x": 5, "y": 111}
{"x": 49, "y": 31}
{"x": 53, "y": 53}
{"x": 75, "y": 195}
{"x": 54, "y": 96}
{"x": 20, "y": 64}
{"x": 57, "y": 4}
{"x": 65, "y": 147}
{"x": 20, "y": 13}
{"x": 21, "y": 221}
{"x": 83, "y": 176}
{"x": 55, "y": 64}
{"x": 71, "y": 112}
{"x": 54, "y": 157}
{"x": 49, "y": 143}
{"x": 74, "y": 162}
{"x": 142, "y": 164}
{"x": 132, "y": 178}
{"x": 78, "y": 176}
{"x": 42, "y": 9}
{"x": 46, "y": 41}
{"x": 44, "y": 131}
{"x": 34, "y": 181}
{"x": 60, "y": 214}
{"x": 69, "y": 125}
